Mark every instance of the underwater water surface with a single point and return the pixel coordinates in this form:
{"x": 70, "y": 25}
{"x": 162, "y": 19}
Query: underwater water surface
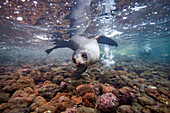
{"x": 138, "y": 69}
{"x": 140, "y": 28}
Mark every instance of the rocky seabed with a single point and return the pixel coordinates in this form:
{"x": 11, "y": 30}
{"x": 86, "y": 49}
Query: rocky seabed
{"x": 124, "y": 88}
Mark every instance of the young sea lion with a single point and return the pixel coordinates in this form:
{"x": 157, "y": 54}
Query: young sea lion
{"x": 86, "y": 50}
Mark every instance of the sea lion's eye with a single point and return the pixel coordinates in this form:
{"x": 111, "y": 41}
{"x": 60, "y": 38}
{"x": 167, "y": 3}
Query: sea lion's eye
{"x": 84, "y": 55}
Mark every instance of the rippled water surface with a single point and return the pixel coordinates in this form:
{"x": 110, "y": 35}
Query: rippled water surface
{"x": 141, "y": 28}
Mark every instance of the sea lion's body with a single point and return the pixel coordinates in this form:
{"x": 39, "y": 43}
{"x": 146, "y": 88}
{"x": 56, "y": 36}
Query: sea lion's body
{"x": 86, "y": 50}
{"x": 88, "y": 44}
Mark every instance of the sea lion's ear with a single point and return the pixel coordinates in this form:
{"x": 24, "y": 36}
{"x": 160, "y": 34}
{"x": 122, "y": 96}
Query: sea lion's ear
{"x": 105, "y": 40}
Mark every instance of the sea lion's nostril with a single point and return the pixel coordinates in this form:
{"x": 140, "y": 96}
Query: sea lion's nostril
{"x": 79, "y": 64}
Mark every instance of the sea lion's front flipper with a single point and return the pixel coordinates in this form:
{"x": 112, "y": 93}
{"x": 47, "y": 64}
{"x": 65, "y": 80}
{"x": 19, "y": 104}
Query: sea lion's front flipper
{"x": 60, "y": 44}
{"x": 79, "y": 71}
{"x": 48, "y": 51}
{"x": 106, "y": 40}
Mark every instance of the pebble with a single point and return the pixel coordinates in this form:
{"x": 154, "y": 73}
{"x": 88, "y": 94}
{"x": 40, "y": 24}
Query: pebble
{"x": 50, "y": 90}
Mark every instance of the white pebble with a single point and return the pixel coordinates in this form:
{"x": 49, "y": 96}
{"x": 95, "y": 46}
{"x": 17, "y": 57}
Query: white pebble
{"x": 152, "y": 87}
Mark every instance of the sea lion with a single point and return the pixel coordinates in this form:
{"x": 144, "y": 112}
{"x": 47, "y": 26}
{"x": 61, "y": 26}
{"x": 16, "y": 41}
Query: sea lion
{"x": 86, "y": 50}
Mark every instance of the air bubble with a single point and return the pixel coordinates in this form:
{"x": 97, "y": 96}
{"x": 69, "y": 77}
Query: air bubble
{"x": 7, "y": 17}
{"x": 124, "y": 18}
{"x": 16, "y": 12}
{"x": 35, "y": 2}
{"x": 19, "y": 18}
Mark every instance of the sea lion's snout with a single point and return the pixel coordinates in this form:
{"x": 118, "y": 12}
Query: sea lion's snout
{"x": 80, "y": 59}
{"x": 79, "y": 63}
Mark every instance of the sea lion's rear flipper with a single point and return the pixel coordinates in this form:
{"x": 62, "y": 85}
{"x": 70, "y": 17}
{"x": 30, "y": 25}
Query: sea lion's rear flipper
{"x": 106, "y": 40}
{"x": 81, "y": 16}
{"x": 60, "y": 44}
{"x": 79, "y": 71}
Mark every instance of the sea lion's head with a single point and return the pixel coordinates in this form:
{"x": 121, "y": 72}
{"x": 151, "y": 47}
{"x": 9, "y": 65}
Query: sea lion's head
{"x": 80, "y": 57}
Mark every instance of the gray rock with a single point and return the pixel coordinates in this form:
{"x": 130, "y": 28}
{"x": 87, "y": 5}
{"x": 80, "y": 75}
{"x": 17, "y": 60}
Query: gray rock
{"x": 48, "y": 91}
{"x": 145, "y": 100}
{"x": 124, "y": 109}
{"x": 84, "y": 109}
